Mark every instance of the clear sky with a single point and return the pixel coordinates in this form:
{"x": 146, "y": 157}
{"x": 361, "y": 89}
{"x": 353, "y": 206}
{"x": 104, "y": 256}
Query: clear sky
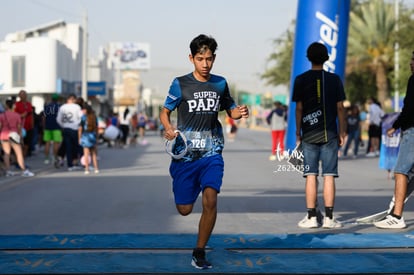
{"x": 244, "y": 30}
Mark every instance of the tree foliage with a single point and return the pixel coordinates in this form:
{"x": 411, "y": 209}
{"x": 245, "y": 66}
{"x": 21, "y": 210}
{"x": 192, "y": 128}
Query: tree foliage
{"x": 371, "y": 51}
{"x": 371, "y": 42}
{"x": 280, "y": 61}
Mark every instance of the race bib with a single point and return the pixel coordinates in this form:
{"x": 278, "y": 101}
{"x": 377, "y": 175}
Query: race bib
{"x": 199, "y": 141}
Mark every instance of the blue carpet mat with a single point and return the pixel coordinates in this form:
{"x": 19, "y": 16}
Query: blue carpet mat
{"x": 187, "y": 241}
{"x": 153, "y": 253}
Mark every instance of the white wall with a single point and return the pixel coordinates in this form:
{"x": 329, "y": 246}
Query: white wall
{"x": 47, "y": 60}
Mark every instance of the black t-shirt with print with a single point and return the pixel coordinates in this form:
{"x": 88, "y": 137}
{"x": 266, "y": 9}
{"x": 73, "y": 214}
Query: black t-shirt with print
{"x": 319, "y": 91}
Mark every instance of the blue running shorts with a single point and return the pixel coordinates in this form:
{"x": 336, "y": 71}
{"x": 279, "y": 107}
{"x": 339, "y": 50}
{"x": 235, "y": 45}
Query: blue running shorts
{"x": 190, "y": 178}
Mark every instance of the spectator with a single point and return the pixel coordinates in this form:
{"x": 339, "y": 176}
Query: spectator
{"x": 142, "y": 122}
{"x": 353, "y": 130}
{"x": 52, "y": 135}
{"x": 277, "y": 121}
{"x": 124, "y": 124}
{"x": 25, "y": 109}
{"x": 405, "y": 159}
{"x": 87, "y": 133}
{"x": 374, "y": 131}
{"x": 319, "y": 97}
{"x": 10, "y": 122}
{"x": 68, "y": 118}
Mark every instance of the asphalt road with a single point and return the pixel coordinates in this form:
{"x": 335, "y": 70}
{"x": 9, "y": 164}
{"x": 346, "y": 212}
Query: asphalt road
{"x": 132, "y": 194}
{"x": 123, "y": 220}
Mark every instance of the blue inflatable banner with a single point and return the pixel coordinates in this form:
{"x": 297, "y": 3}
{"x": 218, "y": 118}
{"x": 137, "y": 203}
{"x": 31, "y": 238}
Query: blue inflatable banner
{"x": 325, "y": 21}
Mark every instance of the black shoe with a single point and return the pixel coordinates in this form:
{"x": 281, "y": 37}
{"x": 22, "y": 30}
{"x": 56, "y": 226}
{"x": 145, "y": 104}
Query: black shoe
{"x": 199, "y": 259}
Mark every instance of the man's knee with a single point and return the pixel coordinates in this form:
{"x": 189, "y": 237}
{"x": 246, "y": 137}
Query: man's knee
{"x": 184, "y": 209}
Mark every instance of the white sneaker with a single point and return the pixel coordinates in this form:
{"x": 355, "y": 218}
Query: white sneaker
{"x": 331, "y": 223}
{"x": 371, "y": 155}
{"x": 27, "y": 173}
{"x": 10, "y": 174}
{"x": 391, "y": 222}
{"x": 308, "y": 222}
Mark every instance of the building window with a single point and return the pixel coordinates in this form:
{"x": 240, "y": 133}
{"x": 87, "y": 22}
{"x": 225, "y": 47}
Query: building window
{"x": 19, "y": 71}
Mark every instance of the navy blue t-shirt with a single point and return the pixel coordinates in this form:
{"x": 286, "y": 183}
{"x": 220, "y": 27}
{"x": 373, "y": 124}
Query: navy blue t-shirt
{"x": 319, "y": 91}
{"x": 50, "y": 111}
{"x": 198, "y": 104}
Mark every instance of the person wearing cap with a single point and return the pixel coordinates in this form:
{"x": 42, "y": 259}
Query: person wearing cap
{"x": 319, "y": 97}
{"x": 198, "y": 97}
{"x": 405, "y": 159}
{"x": 52, "y": 133}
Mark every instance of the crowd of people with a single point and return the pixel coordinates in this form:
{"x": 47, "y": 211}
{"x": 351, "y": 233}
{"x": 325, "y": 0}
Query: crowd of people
{"x": 68, "y": 133}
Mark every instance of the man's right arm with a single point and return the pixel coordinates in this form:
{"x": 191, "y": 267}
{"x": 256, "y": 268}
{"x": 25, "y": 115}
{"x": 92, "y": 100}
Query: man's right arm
{"x": 166, "y": 122}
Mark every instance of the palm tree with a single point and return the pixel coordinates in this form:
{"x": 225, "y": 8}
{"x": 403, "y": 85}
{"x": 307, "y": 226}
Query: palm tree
{"x": 371, "y": 42}
{"x": 280, "y": 61}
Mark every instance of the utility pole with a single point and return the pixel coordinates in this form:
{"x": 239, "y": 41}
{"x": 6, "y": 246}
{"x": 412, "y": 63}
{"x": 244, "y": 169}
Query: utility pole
{"x": 85, "y": 58}
{"x": 396, "y": 59}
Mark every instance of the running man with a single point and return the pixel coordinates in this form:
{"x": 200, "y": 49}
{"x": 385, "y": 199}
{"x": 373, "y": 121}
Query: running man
{"x": 198, "y": 97}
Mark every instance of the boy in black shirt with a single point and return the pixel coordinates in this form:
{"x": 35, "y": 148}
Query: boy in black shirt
{"x": 319, "y": 97}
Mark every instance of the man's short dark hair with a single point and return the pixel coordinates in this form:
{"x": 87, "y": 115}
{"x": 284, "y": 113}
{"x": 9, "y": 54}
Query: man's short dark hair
{"x": 317, "y": 53}
{"x": 201, "y": 43}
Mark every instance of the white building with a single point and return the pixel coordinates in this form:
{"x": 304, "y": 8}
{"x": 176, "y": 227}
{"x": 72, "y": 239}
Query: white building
{"x": 47, "y": 60}
{"x": 42, "y": 60}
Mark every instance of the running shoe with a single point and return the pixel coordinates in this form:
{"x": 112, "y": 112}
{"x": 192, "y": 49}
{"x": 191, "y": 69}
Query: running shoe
{"x": 199, "y": 259}
{"x": 331, "y": 223}
{"x": 10, "y": 174}
{"x": 58, "y": 162}
{"x": 27, "y": 173}
{"x": 306, "y": 222}
{"x": 391, "y": 222}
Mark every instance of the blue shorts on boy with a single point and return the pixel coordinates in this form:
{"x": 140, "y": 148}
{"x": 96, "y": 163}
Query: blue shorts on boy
{"x": 190, "y": 178}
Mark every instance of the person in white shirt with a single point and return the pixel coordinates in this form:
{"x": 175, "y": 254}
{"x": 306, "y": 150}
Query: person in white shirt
{"x": 374, "y": 130}
{"x": 124, "y": 125}
{"x": 69, "y": 118}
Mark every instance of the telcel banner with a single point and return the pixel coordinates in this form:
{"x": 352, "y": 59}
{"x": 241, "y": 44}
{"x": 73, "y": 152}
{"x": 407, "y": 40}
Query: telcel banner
{"x": 324, "y": 21}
